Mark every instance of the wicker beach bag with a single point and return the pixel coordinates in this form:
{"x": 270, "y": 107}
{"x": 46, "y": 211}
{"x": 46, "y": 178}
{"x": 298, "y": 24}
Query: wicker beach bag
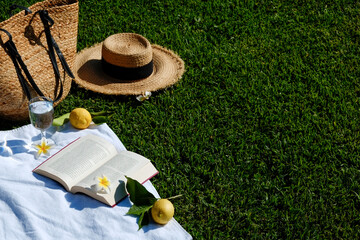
{"x": 38, "y": 50}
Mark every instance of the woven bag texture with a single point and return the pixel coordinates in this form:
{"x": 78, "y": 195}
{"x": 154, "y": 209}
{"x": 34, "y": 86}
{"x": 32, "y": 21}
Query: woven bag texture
{"x": 29, "y": 37}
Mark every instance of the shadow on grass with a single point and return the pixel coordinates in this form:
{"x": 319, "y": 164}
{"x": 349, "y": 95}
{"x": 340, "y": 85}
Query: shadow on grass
{"x": 78, "y": 93}
{"x": 83, "y": 93}
{"x": 6, "y": 124}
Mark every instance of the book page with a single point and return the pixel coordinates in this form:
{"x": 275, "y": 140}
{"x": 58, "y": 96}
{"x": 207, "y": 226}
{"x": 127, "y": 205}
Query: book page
{"x": 123, "y": 164}
{"x": 116, "y": 168}
{"x": 78, "y": 159}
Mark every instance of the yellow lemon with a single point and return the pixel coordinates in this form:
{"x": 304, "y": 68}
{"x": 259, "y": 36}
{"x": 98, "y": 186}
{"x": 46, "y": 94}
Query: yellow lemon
{"x": 80, "y": 118}
{"x": 162, "y": 211}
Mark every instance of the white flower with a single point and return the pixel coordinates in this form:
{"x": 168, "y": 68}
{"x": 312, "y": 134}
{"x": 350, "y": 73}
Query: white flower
{"x": 102, "y": 186}
{"x": 144, "y": 96}
{"x": 42, "y": 148}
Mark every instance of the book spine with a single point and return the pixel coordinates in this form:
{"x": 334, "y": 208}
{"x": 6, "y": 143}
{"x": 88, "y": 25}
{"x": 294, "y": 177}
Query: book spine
{"x": 150, "y": 177}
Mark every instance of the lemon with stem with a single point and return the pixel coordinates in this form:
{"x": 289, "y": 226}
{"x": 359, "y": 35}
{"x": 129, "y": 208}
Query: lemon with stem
{"x": 80, "y": 118}
{"x": 162, "y": 211}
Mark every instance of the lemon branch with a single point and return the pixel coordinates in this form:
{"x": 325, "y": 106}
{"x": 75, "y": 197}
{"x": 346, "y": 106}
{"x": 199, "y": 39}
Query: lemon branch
{"x": 176, "y": 196}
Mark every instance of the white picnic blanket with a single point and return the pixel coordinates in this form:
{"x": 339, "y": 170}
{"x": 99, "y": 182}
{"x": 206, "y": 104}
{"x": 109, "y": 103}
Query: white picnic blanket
{"x": 35, "y": 207}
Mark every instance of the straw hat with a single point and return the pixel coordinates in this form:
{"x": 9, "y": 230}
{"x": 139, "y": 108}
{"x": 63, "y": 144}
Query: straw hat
{"x": 127, "y": 64}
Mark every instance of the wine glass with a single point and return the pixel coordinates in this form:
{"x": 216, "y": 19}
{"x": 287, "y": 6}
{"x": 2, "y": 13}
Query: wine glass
{"x": 41, "y": 111}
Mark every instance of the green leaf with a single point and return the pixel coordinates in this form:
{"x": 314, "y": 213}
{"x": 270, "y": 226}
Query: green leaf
{"x": 138, "y": 210}
{"x": 142, "y": 200}
{"x": 138, "y": 193}
{"x": 101, "y": 113}
{"x": 61, "y": 120}
{"x": 144, "y": 219}
{"x": 99, "y": 119}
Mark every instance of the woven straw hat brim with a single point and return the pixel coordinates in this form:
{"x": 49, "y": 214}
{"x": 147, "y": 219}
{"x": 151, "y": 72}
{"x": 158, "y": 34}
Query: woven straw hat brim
{"x": 168, "y": 69}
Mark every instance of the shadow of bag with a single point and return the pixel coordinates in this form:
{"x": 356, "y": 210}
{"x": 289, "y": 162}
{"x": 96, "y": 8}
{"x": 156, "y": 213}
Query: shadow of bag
{"x": 38, "y": 46}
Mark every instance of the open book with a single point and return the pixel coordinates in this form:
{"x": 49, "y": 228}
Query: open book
{"x": 79, "y": 165}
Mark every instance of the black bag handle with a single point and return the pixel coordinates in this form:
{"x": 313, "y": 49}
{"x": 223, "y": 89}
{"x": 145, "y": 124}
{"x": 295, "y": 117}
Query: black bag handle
{"x": 15, "y": 6}
{"x": 19, "y": 64}
{"x": 52, "y": 45}
{"x": 52, "y": 48}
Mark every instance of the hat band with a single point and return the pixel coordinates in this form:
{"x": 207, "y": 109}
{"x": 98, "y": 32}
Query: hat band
{"x": 124, "y": 73}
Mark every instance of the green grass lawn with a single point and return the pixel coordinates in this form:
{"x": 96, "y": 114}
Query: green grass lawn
{"x": 261, "y": 135}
